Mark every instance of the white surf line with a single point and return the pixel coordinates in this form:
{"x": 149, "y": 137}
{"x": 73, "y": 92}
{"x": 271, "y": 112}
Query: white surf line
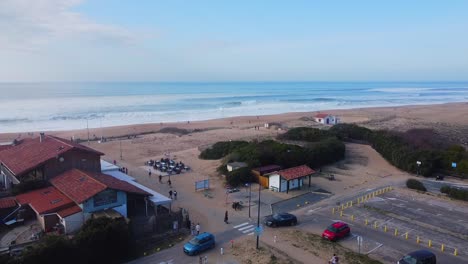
{"x": 248, "y": 230}
{"x": 243, "y": 224}
{"x": 246, "y": 227}
{"x": 375, "y": 248}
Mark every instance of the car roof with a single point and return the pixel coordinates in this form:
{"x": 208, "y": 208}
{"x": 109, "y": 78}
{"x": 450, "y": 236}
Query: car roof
{"x": 421, "y": 253}
{"x": 338, "y": 224}
{"x": 204, "y": 235}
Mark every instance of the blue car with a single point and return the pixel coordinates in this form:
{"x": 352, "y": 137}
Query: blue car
{"x": 199, "y": 243}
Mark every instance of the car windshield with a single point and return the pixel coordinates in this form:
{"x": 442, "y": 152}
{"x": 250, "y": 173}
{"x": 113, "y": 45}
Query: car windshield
{"x": 332, "y": 229}
{"x": 277, "y": 216}
{"x": 195, "y": 241}
{"x": 410, "y": 260}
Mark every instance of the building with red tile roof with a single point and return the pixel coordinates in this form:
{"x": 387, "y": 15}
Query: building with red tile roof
{"x": 288, "y": 179}
{"x": 46, "y": 200}
{"x": 260, "y": 174}
{"x": 7, "y": 202}
{"x": 43, "y": 158}
{"x": 326, "y": 119}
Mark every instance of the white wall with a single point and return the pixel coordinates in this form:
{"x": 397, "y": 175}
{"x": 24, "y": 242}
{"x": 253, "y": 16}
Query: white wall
{"x": 72, "y": 222}
{"x": 274, "y": 181}
{"x": 284, "y": 185}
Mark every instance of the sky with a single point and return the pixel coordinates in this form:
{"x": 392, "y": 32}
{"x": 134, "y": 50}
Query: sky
{"x": 242, "y": 40}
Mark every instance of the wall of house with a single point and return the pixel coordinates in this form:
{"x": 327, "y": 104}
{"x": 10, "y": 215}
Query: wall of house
{"x": 296, "y": 183}
{"x": 74, "y": 159}
{"x": 263, "y": 181}
{"x": 72, "y": 223}
{"x": 89, "y": 207}
{"x": 274, "y": 182}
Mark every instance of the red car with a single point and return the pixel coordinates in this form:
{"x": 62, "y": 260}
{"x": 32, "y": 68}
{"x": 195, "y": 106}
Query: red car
{"x": 336, "y": 231}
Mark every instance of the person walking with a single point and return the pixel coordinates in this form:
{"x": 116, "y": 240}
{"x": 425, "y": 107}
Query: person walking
{"x": 197, "y": 228}
{"x": 170, "y": 194}
{"x": 169, "y": 182}
{"x": 149, "y": 172}
{"x": 226, "y": 217}
{"x": 334, "y": 259}
{"x": 160, "y": 178}
{"x": 175, "y": 195}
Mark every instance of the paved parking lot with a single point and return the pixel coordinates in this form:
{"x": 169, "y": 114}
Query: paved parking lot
{"x": 298, "y": 201}
{"x": 428, "y": 218}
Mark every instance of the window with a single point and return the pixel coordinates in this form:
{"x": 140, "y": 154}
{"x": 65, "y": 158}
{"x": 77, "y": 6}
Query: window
{"x": 105, "y": 197}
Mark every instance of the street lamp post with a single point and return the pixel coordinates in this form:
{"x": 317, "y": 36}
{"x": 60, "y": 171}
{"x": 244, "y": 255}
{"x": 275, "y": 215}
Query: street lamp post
{"x": 250, "y": 196}
{"x": 258, "y": 216}
{"x": 419, "y": 165}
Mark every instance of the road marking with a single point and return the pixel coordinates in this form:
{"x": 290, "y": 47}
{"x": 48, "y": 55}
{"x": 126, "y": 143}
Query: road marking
{"x": 375, "y": 248}
{"x": 248, "y": 230}
{"x": 250, "y": 234}
{"x": 310, "y": 211}
{"x": 246, "y": 223}
{"x": 246, "y": 227}
{"x": 167, "y": 262}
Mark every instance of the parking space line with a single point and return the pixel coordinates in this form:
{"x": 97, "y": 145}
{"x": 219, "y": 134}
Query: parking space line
{"x": 248, "y": 230}
{"x": 250, "y": 234}
{"x": 243, "y": 224}
{"x": 375, "y": 248}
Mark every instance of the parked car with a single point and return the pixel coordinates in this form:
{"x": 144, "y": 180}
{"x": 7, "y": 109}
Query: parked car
{"x": 422, "y": 256}
{"x": 280, "y": 219}
{"x": 199, "y": 243}
{"x": 336, "y": 231}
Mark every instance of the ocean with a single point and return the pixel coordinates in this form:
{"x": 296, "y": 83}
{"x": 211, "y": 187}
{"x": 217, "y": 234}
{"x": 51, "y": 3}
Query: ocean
{"x": 62, "y": 106}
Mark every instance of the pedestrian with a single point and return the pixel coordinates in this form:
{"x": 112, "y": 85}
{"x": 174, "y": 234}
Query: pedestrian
{"x": 170, "y": 194}
{"x": 160, "y": 178}
{"x": 334, "y": 259}
{"x": 149, "y": 172}
{"x": 175, "y": 195}
{"x": 126, "y": 170}
{"x": 226, "y": 217}
{"x": 192, "y": 229}
{"x": 197, "y": 228}
{"x": 169, "y": 182}
{"x": 115, "y": 162}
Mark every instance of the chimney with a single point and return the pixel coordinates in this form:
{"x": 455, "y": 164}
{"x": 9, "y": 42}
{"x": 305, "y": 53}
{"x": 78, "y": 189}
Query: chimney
{"x": 41, "y": 137}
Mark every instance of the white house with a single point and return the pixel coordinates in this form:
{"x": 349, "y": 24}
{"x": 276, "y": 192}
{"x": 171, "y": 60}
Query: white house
{"x": 288, "y": 179}
{"x": 235, "y": 165}
{"x": 326, "y": 119}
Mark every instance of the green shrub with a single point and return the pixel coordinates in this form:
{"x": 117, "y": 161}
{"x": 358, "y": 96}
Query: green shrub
{"x": 416, "y": 185}
{"x": 456, "y": 193}
{"x": 221, "y": 149}
{"x": 306, "y": 134}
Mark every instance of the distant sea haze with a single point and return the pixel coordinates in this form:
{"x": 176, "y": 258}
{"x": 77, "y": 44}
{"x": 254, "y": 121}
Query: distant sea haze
{"x": 63, "y": 106}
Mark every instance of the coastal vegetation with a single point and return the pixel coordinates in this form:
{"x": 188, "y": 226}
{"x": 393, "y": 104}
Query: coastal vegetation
{"x": 415, "y": 185}
{"x": 455, "y": 193}
{"x": 419, "y": 151}
{"x": 319, "y": 149}
{"x": 101, "y": 240}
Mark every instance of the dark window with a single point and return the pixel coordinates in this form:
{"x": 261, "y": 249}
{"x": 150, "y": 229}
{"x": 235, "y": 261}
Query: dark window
{"x": 105, "y": 197}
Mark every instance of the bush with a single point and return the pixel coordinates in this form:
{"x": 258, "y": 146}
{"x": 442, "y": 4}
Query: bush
{"x": 221, "y": 149}
{"x": 306, "y": 134}
{"x": 351, "y": 131}
{"x": 416, "y": 185}
{"x": 456, "y": 193}
{"x": 239, "y": 176}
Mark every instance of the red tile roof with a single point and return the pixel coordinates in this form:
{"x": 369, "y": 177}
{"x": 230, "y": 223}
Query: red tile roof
{"x": 81, "y": 185}
{"x": 323, "y": 115}
{"x": 296, "y": 172}
{"x": 31, "y": 153}
{"x": 46, "y": 200}
{"x": 69, "y": 211}
{"x": 267, "y": 169}
{"x": 7, "y": 202}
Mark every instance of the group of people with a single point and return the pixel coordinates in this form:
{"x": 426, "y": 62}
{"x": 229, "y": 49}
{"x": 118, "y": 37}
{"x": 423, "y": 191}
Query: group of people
{"x": 173, "y": 194}
{"x": 194, "y": 229}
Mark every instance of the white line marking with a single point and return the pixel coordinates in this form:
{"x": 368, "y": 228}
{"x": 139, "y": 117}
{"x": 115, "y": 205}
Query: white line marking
{"x": 375, "y": 248}
{"x": 246, "y": 223}
{"x": 248, "y": 230}
{"x": 250, "y": 234}
{"x": 246, "y": 227}
{"x": 310, "y": 211}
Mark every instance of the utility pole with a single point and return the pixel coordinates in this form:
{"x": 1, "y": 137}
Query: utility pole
{"x": 250, "y": 196}
{"x": 258, "y": 216}
{"x": 120, "y": 149}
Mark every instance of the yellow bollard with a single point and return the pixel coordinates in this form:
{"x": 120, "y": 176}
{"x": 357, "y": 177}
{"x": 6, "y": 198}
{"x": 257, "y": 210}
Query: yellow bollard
{"x": 396, "y": 232}
{"x": 406, "y": 236}
{"x": 417, "y": 239}
{"x": 367, "y": 222}
{"x": 442, "y": 247}
{"x": 375, "y": 224}
{"x": 455, "y": 252}
{"x": 341, "y": 213}
{"x": 429, "y": 243}
{"x": 352, "y": 218}
{"x": 351, "y": 203}
{"x": 333, "y": 210}
{"x": 342, "y": 207}
{"x": 358, "y": 200}
{"x": 385, "y": 228}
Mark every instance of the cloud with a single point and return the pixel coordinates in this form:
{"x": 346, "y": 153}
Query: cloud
{"x": 27, "y": 25}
